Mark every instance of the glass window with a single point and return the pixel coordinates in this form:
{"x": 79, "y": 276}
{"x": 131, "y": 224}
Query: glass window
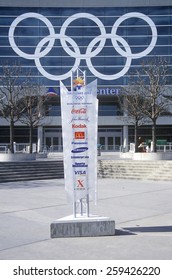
{"x": 136, "y": 32}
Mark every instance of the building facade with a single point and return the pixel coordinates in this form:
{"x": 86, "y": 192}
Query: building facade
{"x": 108, "y": 41}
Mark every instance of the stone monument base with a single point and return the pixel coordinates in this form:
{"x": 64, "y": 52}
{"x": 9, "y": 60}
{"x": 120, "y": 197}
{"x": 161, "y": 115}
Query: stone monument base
{"x": 82, "y": 226}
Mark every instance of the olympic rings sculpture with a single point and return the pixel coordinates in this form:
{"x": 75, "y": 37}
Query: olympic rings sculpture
{"x": 91, "y": 51}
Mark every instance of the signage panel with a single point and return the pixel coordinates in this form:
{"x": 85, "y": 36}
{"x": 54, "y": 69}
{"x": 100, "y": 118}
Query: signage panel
{"x": 79, "y": 130}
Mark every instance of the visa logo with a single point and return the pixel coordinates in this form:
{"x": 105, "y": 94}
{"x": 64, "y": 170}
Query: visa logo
{"x": 80, "y": 172}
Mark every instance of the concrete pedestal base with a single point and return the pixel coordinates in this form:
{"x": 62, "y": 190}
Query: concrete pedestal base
{"x": 82, "y": 226}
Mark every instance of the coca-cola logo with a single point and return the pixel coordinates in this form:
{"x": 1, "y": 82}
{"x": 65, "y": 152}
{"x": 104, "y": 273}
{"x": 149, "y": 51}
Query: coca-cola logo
{"x": 79, "y": 111}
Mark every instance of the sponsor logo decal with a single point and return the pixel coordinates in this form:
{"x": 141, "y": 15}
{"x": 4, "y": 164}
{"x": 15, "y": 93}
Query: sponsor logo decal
{"x": 78, "y": 97}
{"x": 79, "y": 119}
{"x": 79, "y": 135}
{"x": 80, "y": 157}
{"x": 79, "y": 111}
{"x": 80, "y": 184}
{"x": 79, "y": 143}
{"x": 80, "y": 172}
{"x": 79, "y": 150}
{"x": 79, "y": 164}
{"x": 79, "y": 125}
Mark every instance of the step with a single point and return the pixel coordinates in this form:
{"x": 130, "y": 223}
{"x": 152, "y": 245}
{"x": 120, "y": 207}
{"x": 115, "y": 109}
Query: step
{"x": 127, "y": 169}
{"x": 30, "y": 178}
{"x": 36, "y": 170}
{"x": 140, "y": 170}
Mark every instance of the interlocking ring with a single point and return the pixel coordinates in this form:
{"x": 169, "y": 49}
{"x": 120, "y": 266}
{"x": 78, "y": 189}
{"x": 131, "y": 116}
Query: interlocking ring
{"x": 12, "y": 30}
{"x": 90, "y": 17}
{"x": 119, "y": 74}
{"x": 38, "y": 63}
{"x": 153, "y": 29}
{"x": 92, "y": 50}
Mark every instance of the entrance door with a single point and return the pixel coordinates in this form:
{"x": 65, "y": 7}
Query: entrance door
{"x": 48, "y": 141}
{"x": 110, "y": 139}
{"x": 53, "y": 140}
{"x": 110, "y": 143}
{"x": 53, "y": 143}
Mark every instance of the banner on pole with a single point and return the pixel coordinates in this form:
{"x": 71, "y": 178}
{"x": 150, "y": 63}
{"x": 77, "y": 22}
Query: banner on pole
{"x": 79, "y": 109}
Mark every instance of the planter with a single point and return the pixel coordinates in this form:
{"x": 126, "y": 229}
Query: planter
{"x": 17, "y": 157}
{"x": 152, "y": 156}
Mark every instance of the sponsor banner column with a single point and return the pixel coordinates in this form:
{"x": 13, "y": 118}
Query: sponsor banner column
{"x": 79, "y": 129}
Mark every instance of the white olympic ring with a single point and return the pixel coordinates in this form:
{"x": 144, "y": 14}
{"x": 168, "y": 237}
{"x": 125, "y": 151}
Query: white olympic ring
{"x": 76, "y": 97}
{"x": 12, "y": 30}
{"x": 114, "y": 76}
{"x": 72, "y": 18}
{"x": 42, "y": 70}
{"x": 42, "y": 49}
{"x": 153, "y": 29}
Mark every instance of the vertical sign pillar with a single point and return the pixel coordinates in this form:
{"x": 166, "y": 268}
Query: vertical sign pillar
{"x": 79, "y": 108}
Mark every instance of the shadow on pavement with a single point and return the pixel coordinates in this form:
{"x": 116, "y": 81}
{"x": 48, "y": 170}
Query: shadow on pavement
{"x": 149, "y": 229}
{"x": 123, "y": 232}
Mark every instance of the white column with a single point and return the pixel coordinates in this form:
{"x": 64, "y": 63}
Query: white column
{"x": 125, "y": 137}
{"x": 40, "y": 138}
{"x": 72, "y": 78}
{"x": 125, "y": 127}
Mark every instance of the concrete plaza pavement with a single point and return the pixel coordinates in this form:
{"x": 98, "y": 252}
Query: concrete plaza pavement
{"x": 142, "y": 211}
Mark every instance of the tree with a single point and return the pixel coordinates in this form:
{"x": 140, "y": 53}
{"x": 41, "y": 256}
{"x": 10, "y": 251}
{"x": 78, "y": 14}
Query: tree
{"x": 145, "y": 96}
{"x": 132, "y": 103}
{"x": 11, "y": 88}
{"x": 32, "y": 101}
{"x": 152, "y": 80}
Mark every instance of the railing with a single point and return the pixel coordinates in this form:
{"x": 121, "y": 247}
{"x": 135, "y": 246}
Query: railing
{"x": 44, "y": 149}
{"x": 24, "y": 148}
{"x": 21, "y": 148}
{"x": 56, "y": 148}
{"x": 110, "y": 148}
{"x": 18, "y": 148}
{"x": 164, "y": 148}
{"x": 127, "y": 148}
{"x": 3, "y": 149}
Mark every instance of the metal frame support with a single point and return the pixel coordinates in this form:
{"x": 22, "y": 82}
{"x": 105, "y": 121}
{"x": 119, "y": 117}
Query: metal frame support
{"x": 80, "y": 207}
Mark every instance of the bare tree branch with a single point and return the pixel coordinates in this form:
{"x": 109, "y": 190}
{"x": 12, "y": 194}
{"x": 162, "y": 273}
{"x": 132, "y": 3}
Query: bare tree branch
{"x": 11, "y": 88}
{"x": 152, "y": 80}
{"x": 33, "y": 101}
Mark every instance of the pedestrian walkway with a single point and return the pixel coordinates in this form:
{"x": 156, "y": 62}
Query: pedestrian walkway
{"x": 142, "y": 211}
